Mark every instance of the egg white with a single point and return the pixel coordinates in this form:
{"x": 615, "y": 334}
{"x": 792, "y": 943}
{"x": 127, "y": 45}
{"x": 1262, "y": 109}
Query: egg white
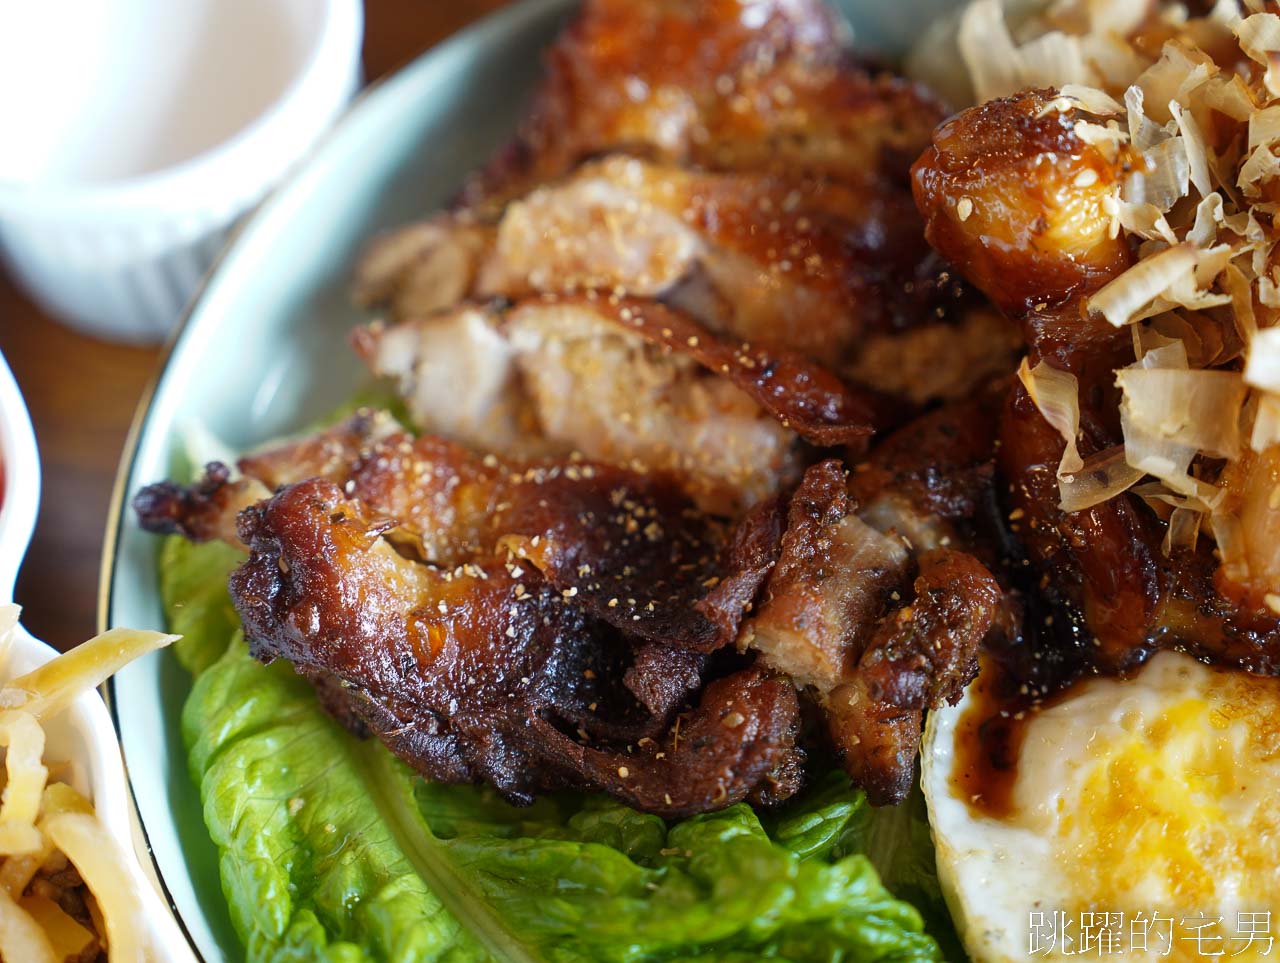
{"x": 1156, "y": 794}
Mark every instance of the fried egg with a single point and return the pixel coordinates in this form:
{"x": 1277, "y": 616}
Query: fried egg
{"x": 1142, "y": 821}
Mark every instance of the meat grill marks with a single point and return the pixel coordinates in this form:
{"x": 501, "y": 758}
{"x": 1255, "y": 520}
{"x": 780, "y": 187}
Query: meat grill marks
{"x": 1035, "y": 239}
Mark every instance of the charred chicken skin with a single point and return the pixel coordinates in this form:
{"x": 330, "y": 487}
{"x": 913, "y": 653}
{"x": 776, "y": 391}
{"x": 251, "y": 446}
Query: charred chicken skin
{"x": 639, "y": 590}
{"x": 478, "y": 674}
{"x": 663, "y": 491}
{"x": 719, "y": 84}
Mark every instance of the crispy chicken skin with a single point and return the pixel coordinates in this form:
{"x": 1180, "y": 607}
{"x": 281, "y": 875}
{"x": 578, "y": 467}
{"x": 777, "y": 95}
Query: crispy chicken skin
{"x": 740, "y": 739}
{"x": 472, "y": 675}
{"x": 1034, "y": 236}
{"x": 501, "y": 604}
{"x": 207, "y": 510}
{"x": 629, "y": 548}
{"x": 723, "y": 84}
{"x": 920, "y": 656}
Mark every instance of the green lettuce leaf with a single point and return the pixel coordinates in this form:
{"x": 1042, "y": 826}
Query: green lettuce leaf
{"x": 590, "y": 879}
{"x": 310, "y": 867}
{"x": 331, "y": 849}
{"x": 193, "y": 588}
{"x": 898, "y": 841}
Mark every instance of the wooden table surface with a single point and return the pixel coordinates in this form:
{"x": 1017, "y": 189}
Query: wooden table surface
{"x": 82, "y": 392}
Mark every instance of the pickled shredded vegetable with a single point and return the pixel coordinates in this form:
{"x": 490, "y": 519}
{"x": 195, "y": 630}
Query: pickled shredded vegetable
{"x": 41, "y": 822}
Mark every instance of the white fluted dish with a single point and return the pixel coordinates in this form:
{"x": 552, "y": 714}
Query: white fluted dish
{"x": 113, "y": 229}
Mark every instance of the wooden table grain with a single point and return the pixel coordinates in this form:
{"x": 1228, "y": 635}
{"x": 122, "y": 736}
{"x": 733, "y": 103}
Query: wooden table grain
{"x": 82, "y": 392}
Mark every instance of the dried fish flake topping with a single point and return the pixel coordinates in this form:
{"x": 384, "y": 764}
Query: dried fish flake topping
{"x": 1201, "y": 401}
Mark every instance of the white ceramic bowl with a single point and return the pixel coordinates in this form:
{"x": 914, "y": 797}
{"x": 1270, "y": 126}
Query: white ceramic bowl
{"x": 152, "y": 127}
{"x": 83, "y": 735}
{"x": 19, "y": 481}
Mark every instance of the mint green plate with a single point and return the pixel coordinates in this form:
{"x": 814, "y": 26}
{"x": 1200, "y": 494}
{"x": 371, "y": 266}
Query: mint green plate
{"x": 263, "y": 352}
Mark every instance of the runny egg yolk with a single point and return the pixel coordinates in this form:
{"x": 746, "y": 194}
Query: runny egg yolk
{"x": 1168, "y": 813}
{"x": 1165, "y": 797}
{"x": 1154, "y": 800}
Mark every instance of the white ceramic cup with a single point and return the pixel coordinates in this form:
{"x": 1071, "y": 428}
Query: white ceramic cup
{"x": 136, "y": 132}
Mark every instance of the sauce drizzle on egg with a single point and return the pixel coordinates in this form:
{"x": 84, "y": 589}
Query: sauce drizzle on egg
{"x": 1016, "y": 682}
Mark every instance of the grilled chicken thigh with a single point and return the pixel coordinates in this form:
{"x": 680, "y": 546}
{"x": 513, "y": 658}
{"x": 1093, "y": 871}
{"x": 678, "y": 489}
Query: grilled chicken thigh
{"x": 644, "y": 351}
{"x": 631, "y": 382}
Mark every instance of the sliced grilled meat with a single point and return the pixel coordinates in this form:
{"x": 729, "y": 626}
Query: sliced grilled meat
{"x": 842, "y": 615}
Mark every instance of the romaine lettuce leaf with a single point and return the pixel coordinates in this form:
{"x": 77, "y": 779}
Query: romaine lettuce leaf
{"x": 311, "y": 867}
{"x": 193, "y": 588}
{"x": 598, "y": 881}
{"x": 331, "y": 849}
{"x": 899, "y": 844}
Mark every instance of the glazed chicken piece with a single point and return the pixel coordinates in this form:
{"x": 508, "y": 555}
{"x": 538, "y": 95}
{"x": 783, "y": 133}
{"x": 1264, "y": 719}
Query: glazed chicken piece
{"x": 1017, "y": 202}
{"x": 783, "y": 259}
{"x": 629, "y": 382}
{"x": 1004, "y": 200}
{"x": 629, "y": 548}
{"x": 535, "y": 625}
{"x": 644, "y": 589}
{"x": 932, "y": 481}
{"x": 721, "y": 84}
{"x": 476, "y": 674}
{"x": 792, "y": 261}
{"x": 208, "y": 509}
{"x": 844, "y": 616}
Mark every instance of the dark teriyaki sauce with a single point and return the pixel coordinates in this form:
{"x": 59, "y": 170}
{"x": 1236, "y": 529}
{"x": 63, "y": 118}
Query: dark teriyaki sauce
{"x": 1030, "y": 662}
